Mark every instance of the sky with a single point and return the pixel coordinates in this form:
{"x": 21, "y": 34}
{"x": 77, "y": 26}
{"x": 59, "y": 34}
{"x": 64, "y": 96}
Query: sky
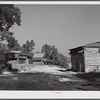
{"x": 65, "y": 26}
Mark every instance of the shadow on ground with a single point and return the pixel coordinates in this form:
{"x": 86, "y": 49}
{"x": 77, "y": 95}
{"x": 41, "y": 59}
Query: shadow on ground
{"x": 44, "y": 81}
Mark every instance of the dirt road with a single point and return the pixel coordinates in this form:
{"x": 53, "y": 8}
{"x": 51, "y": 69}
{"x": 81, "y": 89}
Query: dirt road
{"x": 39, "y": 79}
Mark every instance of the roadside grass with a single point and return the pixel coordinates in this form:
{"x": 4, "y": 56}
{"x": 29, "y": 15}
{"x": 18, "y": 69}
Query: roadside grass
{"x": 93, "y": 78}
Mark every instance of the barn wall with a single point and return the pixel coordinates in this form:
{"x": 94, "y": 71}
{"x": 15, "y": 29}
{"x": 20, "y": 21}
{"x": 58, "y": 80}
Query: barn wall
{"x": 77, "y": 61}
{"x": 92, "y": 59}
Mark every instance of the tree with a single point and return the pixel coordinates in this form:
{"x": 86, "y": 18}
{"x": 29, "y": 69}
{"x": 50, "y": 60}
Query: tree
{"x": 9, "y": 16}
{"x": 62, "y": 60}
{"x": 28, "y": 46}
{"x": 13, "y": 44}
{"x": 51, "y": 53}
{"x": 47, "y": 50}
{"x": 17, "y": 46}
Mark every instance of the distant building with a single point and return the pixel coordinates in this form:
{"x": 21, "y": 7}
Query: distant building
{"x": 16, "y": 58}
{"x": 39, "y": 58}
{"x": 86, "y": 58}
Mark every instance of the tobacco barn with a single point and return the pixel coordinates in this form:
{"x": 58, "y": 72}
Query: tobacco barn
{"x": 86, "y": 58}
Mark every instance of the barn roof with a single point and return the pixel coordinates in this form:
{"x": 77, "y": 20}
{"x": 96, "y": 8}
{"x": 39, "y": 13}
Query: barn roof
{"x": 20, "y": 53}
{"x": 80, "y": 48}
{"x": 38, "y": 55}
{"x": 76, "y": 50}
{"x": 41, "y": 59}
{"x": 16, "y": 51}
{"x": 95, "y": 44}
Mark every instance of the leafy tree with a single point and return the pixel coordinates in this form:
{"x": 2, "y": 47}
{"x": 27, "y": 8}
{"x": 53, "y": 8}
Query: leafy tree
{"x": 62, "y": 60}
{"x": 47, "y": 50}
{"x": 13, "y": 44}
{"x": 28, "y": 46}
{"x": 9, "y": 15}
{"x": 52, "y": 53}
{"x": 17, "y": 46}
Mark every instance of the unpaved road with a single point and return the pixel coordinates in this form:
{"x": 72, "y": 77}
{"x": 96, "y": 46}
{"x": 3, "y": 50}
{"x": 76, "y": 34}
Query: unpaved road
{"x": 47, "y": 79}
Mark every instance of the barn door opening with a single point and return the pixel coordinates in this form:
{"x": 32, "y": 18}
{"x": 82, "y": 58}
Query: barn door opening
{"x": 78, "y": 66}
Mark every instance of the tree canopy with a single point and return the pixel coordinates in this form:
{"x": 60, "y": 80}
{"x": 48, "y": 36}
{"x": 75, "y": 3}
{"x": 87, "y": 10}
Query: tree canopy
{"x": 62, "y": 60}
{"x": 28, "y": 46}
{"x": 9, "y": 15}
{"x": 13, "y": 43}
{"x": 51, "y": 52}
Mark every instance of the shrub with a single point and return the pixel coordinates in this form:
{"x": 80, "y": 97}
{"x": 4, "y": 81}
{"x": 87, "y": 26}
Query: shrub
{"x": 62, "y": 60}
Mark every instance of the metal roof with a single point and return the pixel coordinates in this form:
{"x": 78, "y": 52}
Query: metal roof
{"x": 16, "y": 51}
{"x": 95, "y": 44}
{"x": 80, "y": 48}
{"x": 41, "y": 59}
{"x": 38, "y": 55}
{"x": 92, "y": 45}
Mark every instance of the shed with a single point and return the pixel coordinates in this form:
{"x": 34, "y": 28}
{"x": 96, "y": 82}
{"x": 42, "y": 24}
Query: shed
{"x": 86, "y": 58}
{"x": 15, "y": 58}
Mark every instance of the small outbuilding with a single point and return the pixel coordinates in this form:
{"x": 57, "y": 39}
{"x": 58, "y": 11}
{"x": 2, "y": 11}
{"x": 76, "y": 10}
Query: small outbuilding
{"x": 86, "y": 58}
{"x": 17, "y": 58}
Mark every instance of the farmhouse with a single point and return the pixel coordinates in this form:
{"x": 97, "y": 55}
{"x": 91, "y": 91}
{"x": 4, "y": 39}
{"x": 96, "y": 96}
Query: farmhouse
{"x": 39, "y": 59}
{"x": 86, "y": 58}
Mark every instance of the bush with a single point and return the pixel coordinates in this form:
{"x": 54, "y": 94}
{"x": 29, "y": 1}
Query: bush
{"x": 62, "y": 61}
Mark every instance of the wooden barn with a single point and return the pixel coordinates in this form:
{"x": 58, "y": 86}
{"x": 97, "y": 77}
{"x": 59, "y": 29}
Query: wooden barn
{"x": 86, "y": 58}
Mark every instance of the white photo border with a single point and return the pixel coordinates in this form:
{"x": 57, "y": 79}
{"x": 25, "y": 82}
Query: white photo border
{"x": 50, "y": 94}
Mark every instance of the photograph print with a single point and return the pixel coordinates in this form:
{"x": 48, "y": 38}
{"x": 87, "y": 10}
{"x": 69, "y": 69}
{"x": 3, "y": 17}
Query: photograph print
{"x": 49, "y": 47}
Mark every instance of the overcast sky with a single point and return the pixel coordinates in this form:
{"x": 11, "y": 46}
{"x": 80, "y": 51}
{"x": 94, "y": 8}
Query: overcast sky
{"x": 65, "y": 26}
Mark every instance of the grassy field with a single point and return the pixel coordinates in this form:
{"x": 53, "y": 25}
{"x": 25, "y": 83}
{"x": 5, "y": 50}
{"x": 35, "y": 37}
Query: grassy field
{"x": 92, "y": 78}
